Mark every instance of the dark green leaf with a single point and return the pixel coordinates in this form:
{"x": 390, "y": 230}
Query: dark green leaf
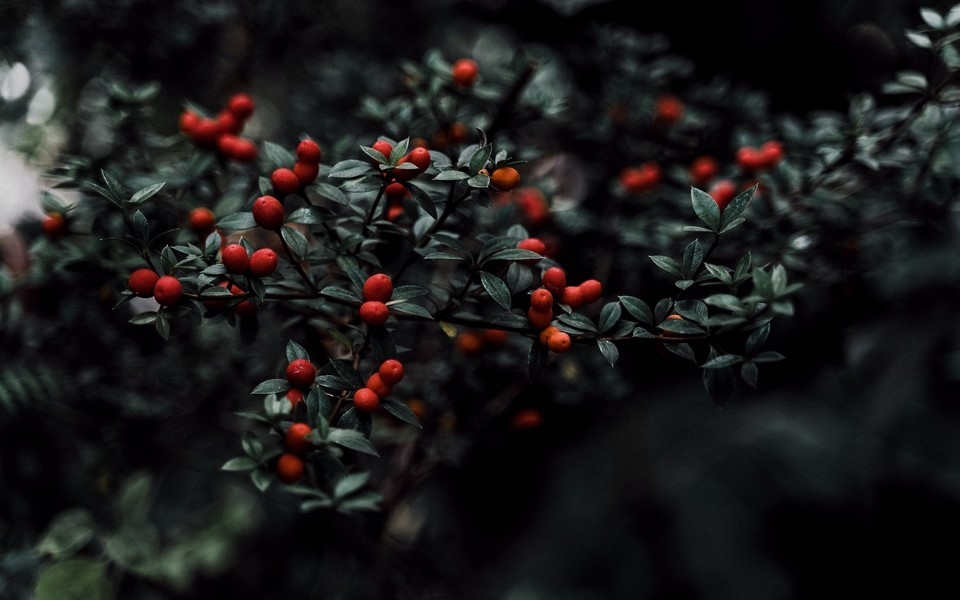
{"x": 400, "y": 411}
{"x": 78, "y": 578}
{"x": 295, "y": 351}
{"x": 239, "y": 463}
{"x": 736, "y": 207}
{"x": 237, "y": 221}
{"x": 67, "y": 533}
{"x": 341, "y": 294}
{"x": 307, "y": 215}
{"x": 749, "y": 373}
{"x": 451, "y": 175}
{"x": 536, "y": 360}
{"x": 682, "y": 350}
{"x": 706, "y": 208}
{"x": 497, "y": 289}
{"x": 352, "y": 439}
{"x": 578, "y": 322}
{"x": 409, "y": 308}
{"x": 296, "y": 241}
{"x": 756, "y": 339}
{"x": 350, "y": 168}
{"x": 692, "y": 257}
{"x": 271, "y": 386}
{"x": 722, "y": 360}
{"x": 637, "y": 308}
{"x": 609, "y": 351}
{"x": 513, "y": 254}
{"x": 139, "y": 226}
{"x": 767, "y": 356}
{"x": 350, "y": 484}
{"x": 145, "y": 194}
{"x": 423, "y": 199}
{"x": 609, "y": 315}
{"x": 410, "y": 291}
{"x": 278, "y": 156}
{"x": 668, "y": 264}
{"x": 479, "y": 158}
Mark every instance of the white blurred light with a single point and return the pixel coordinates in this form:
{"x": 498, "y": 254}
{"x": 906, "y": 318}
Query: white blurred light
{"x": 15, "y": 82}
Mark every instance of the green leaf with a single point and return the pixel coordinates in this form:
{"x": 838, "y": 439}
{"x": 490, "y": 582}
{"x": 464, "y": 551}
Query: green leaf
{"x": 262, "y": 477}
{"x": 577, "y": 322}
{"x": 278, "y": 156}
{"x": 609, "y": 315}
{"x": 237, "y": 221}
{"x": 637, "y": 308}
{"x": 443, "y": 256}
{"x": 495, "y": 245}
{"x": 683, "y": 350}
{"x": 479, "y": 181}
{"x": 536, "y": 360}
{"x": 341, "y": 294}
{"x": 68, "y": 532}
{"x": 239, "y": 463}
{"x": 139, "y": 226}
{"x": 144, "y": 318}
{"x": 733, "y": 223}
{"x": 706, "y": 208}
{"x": 609, "y": 351}
{"x": 350, "y": 484}
{"x": 692, "y": 310}
{"x": 146, "y": 193}
{"x": 271, "y": 386}
{"x": 409, "y": 308}
{"x": 350, "y": 168}
{"x": 514, "y": 254}
{"x": 479, "y": 158}
{"x": 749, "y": 373}
{"x": 451, "y": 175}
{"x": 720, "y": 272}
{"x": 423, "y": 199}
{"x": 400, "y": 411}
{"x": 668, "y": 264}
{"x": 692, "y": 257}
{"x": 497, "y": 289}
{"x": 640, "y": 332}
{"x": 736, "y": 207}
{"x": 768, "y": 356}
{"x": 723, "y": 360}
{"x": 296, "y": 241}
{"x": 681, "y": 326}
{"x": 352, "y": 439}
{"x": 294, "y": 351}
{"x": 756, "y": 339}
{"x": 408, "y": 292}
{"x": 307, "y": 215}
{"x": 78, "y": 578}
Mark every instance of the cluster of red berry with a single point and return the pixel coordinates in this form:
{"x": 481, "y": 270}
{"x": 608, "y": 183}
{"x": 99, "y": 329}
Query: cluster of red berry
{"x": 378, "y": 386}
{"x": 147, "y": 283}
{"x": 223, "y": 131}
{"x": 641, "y": 179}
{"x": 286, "y": 180}
{"x": 554, "y": 288}
{"x": 377, "y": 290}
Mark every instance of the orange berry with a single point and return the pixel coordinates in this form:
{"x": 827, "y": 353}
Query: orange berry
{"x": 296, "y": 438}
{"x": 532, "y": 204}
{"x": 374, "y": 313}
{"x": 505, "y": 179}
{"x": 572, "y": 296}
{"x": 637, "y": 180}
{"x": 301, "y": 373}
{"x": 495, "y": 337}
{"x": 559, "y": 342}
{"x": 546, "y": 333}
{"x": 469, "y": 343}
{"x": 142, "y": 281}
{"x": 366, "y": 400}
{"x": 464, "y": 71}
{"x": 290, "y": 468}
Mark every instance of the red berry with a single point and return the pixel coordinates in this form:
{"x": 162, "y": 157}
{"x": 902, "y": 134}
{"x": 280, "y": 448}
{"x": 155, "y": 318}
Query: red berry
{"x": 541, "y": 299}
{"x": 528, "y": 418}
{"x": 533, "y": 244}
{"x": 395, "y": 191}
{"x": 419, "y": 157}
{"x": 296, "y": 438}
{"x": 391, "y": 371}
{"x": 559, "y": 341}
{"x": 241, "y": 149}
{"x": 540, "y": 318}
{"x": 206, "y": 132}
{"x": 290, "y": 468}
{"x": 383, "y": 147}
{"x": 572, "y": 296}
{"x": 637, "y": 180}
{"x": 168, "y": 290}
{"x": 235, "y": 258}
{"x": 723, "y": 192}
{"x": 53, "y": 225}
{"x": 268, "y": 212}
{"x": 554, "y": 279}
{"x": 308, "y": 151}
{"x": 378, "y": 287}
{"x": 301, "y": 373}
{"x": 374, "y": 313}
{"x": 306, "y": 172}
{"x": 703, "y": 169}
{"x": 285, "y": 181}
{"x": 142, "y": 281}
{"x": 533, "y": 204}
{"x": 591, "y": 290}
{"x": 202, "y": 220}
{"x": 668, "y": 109}
{"x": 366, "y": 400}
{"x": 241, "y": 105}
{"x": 228, "y": 122}
{"x": 771, "y": 153}
{"x": 263, "y": 262}
{"x": 295, "y": 396}
{"x": 495, "y": 337}
{"x": 464, "y": 71}
{"x": 749, "y": 159}
{"x": 379, "y": 387}
{"x": 188, "y": 122}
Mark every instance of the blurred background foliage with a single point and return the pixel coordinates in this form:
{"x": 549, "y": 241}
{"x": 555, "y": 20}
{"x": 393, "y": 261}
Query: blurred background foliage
{"x": 840, "y": 477}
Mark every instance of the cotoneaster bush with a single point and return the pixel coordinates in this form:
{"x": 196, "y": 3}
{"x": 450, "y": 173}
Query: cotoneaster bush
{"x": 402, "y": 284}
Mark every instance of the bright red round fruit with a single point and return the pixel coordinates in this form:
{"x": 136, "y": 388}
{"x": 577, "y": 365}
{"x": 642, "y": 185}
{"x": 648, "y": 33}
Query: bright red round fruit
{"x": 464, "y": 71}
{"x": 301, "y": 373}
{"x": 383, "y": 147}
{"x": 669, "y": 109}
{"x": 374, "y": 313}
{"x": 142, "y": 281}
{"x": 306, "y": 172}
{"x": 591, "y": 289}
{"x": 263, "y": 262}
{"x": 242, "y": 150}
{"x": 749, "y": 159}
{"x": 241, "y": 105}
{"x": 285, "y": 181}
{"x": 168, "y": 290}
{"x": 703, "y": 169}
{"x": 378, "y": 386}
{"x": 395, "y": 191}
{"x": 391, "y": 371}
{"x": 268, "y": 212}
{"x": 378, "y": 287}
{"x": 533, "y": 245}
{"x": 723, "y": 192}
{"x": 53, "y": 225}
{"x": 228, "y": 122}
{"x": 290, "y": 468}
{"x": 202, "y": 220}
{"x": 366, "y": 400}
{"x": 188, "y": 121}
{"x": 235, "y": 259}
{"x": 419, "y": 156}
{"x": 771, "y": 153}
{"x": 541, "y": 299}
{"x": 554, "y": 279}
{"x": 572, "y": 296}
{"x": 296, "y": 438}
{"x": 295, "y": 396}
{"x": 206, "y": 132}
{"x": 308, "y": 151}
{"x": 540, "y": 318}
